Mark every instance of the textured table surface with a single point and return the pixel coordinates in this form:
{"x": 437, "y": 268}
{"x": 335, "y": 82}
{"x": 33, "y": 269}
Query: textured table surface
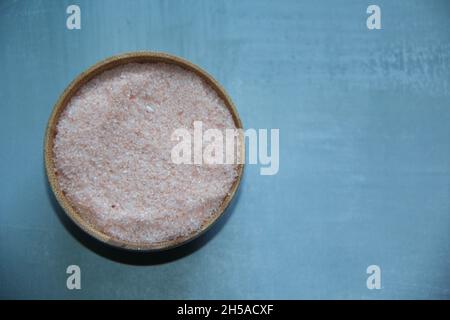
{"x": 364, "y": 119}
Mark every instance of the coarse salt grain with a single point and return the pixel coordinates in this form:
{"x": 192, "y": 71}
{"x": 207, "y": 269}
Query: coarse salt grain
{"x": 112, "y": 153}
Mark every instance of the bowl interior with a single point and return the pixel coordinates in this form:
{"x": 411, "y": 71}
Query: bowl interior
{"x": 70, "y": 91}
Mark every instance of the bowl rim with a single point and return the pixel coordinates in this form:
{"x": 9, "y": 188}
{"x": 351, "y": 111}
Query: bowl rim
{"x": 51, "y": 131}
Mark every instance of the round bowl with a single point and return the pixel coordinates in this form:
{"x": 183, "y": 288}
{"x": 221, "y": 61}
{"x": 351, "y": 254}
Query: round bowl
{"x": 71, "y": 90}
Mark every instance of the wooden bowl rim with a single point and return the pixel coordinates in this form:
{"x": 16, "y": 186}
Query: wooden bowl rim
{"x": 71, "y": 90}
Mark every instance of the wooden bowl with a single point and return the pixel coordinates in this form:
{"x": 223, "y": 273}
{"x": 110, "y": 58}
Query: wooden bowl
{"x": 70, "y": 91}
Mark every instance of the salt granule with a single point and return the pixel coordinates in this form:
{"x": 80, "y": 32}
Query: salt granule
{"x": 112, "y": 153}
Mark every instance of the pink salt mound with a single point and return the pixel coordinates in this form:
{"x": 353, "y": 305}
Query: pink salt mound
{"x": 113, "y": 153}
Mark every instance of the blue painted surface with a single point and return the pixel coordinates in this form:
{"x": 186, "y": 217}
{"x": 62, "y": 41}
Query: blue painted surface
{"x": 365, "y": 155}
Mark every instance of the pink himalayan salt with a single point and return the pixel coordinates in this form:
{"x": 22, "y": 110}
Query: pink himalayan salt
{"x": 112, "y": 153}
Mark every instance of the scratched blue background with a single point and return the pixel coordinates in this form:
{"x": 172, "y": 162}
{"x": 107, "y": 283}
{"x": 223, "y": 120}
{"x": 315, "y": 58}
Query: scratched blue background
{"x": 364, "y": 120}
